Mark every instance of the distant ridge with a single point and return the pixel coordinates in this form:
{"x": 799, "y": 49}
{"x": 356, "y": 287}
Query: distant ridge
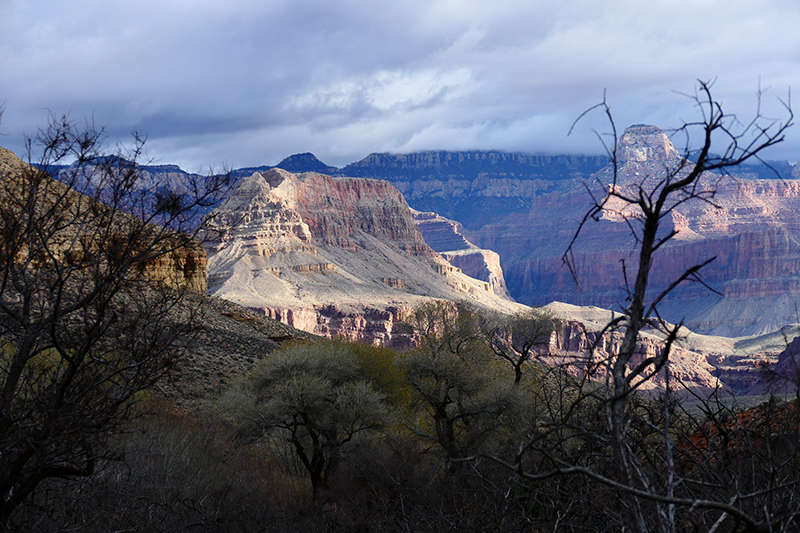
{"x": 468, "y": 165}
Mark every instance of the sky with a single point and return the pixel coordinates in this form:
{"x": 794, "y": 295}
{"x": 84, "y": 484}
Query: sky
{"x": 235, "y": 83}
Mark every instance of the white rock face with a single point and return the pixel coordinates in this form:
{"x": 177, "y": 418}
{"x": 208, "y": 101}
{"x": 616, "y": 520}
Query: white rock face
{"x": 448, "y": 238}
{"x": 645, "y": 143}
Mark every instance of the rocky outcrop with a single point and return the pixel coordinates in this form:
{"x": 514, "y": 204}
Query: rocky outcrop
{"x": 331, "y": 256}
{"x": 573, "y": 343}
{"x": 179, "y": 260}
{"x": 448, "y": 238}
{"x": 183, "y": 267}
{"x": 644, "y": 143}
{"x": 480, "y": 264}
{"x": 757, "y": 364}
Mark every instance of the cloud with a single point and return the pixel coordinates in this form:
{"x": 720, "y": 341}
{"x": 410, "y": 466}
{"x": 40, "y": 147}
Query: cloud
{"x": 249, "y": 82}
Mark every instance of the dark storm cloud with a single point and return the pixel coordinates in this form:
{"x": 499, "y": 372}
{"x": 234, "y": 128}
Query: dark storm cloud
{"x": 250, "y": 82}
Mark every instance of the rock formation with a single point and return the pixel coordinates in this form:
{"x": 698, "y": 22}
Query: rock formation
{"x": 448, "y": 238}
{"x": 332, "y": 256}
{"x": 527, "y": 208}
{"x": 752, "y": 234}
{"x": 756, "y": 364}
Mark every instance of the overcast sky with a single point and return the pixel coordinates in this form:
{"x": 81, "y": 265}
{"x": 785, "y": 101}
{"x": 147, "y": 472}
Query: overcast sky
{"x": 249, "y": 82}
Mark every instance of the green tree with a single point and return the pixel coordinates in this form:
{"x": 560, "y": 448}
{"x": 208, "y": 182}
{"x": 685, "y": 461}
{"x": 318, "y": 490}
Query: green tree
{"x": 316, "y": 396}
{"x": 512, "y": 339}
{"x": 460, "y": 396}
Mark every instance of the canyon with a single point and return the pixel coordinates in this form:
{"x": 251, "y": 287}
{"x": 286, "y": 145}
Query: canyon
{"x": 347, "y": 256}
{"x": 527, "y": 209}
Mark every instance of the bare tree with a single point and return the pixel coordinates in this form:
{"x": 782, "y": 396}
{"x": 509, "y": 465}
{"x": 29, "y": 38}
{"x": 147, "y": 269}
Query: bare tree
{"x": 91, "y": 297}
{"x": 646, "y": 469}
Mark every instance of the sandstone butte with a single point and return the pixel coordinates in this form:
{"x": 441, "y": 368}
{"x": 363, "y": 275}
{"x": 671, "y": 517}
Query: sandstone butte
{"x": 331, "y": 256}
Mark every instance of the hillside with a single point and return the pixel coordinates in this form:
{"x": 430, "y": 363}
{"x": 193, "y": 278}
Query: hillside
{"x": 227, "y": 339}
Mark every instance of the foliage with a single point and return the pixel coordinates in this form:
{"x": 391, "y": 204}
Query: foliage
{"x": 315, "y": 396}
{"x": 461, "y": 397}
{"x": 513, "y": 339}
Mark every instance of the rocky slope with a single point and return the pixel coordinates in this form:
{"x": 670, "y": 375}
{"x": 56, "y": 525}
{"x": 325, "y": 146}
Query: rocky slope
{"x": 229, "y": 340}
{"x": 184, "y": 266}
{"x": 330, "y": 256}
{"x": 740, "y": 366}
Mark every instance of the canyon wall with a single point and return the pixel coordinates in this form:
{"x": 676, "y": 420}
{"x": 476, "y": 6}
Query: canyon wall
{"x": 527, "y": 208}
{"x": 751, "y": 232}
{"x": 474, "y": 187}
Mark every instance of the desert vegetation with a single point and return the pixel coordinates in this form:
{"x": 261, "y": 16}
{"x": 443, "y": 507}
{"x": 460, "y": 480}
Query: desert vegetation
{"x": 357, "y": 438}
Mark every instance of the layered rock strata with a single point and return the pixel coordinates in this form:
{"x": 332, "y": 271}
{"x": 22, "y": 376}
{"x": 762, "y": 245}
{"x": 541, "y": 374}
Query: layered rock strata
{"x": 331, "y": 256}
{"x": 474, "y": 187}
{"x": 752, "y": 232}
{"x": 699, "y": 364}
